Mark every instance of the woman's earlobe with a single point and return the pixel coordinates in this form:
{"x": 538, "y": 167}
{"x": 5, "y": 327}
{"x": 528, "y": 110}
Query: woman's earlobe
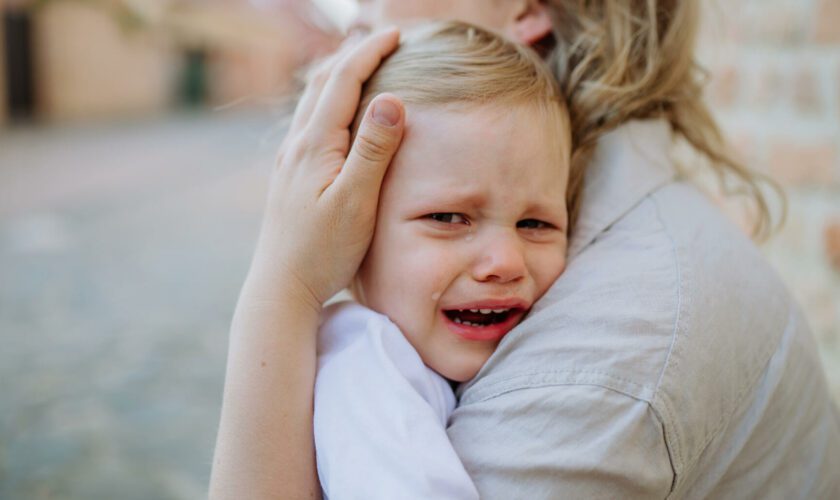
{"x": 534, "y": 24}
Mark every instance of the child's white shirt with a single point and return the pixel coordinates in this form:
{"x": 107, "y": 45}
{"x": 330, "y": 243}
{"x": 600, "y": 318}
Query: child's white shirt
{"x": 380, "y": 414}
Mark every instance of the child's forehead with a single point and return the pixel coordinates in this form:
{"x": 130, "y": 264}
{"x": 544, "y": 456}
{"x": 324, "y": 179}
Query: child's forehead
{"x": 470, "y": 135}
{"x": 545, "y": 119}
{"x": 475, "y": 152}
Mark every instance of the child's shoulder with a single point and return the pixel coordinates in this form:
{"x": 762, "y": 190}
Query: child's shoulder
{"x": 351, "y": 332}
{"x": 362, "y": 353}
{"x": 345, "y": 323}
{"x": 348, "y": 315}
{"x": 346, "y": 311}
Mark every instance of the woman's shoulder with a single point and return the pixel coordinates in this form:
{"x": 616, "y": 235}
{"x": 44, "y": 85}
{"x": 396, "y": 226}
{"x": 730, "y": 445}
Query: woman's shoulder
{"x": 742, "y": 376}
{"x": 671, "y": 305}
{"x": 669, "y": 291}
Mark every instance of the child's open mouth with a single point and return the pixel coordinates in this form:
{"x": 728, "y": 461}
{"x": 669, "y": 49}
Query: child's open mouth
{"x": 478, "y": 317}
{"x": 483, "y": 324}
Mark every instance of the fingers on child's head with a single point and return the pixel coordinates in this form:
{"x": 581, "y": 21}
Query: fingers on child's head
{"x": 339, "y": 99}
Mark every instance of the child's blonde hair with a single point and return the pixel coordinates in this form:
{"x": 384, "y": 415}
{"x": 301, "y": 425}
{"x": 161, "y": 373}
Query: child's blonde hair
{"x": 456, "y": 63}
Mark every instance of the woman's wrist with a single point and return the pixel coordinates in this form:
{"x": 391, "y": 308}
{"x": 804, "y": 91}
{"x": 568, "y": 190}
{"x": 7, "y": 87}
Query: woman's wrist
{"x": 273, "y": 277}
{"x": 265, "y": 435}
{"x": 277, "y": 291}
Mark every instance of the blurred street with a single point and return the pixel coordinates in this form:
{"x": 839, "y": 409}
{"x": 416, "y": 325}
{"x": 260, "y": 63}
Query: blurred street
{"x": 119, "y": 278}
{"x": 127, "y": 223}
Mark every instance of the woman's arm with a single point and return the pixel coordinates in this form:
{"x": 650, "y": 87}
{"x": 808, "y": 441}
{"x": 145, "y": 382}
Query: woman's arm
{"x": 317, "y": 227}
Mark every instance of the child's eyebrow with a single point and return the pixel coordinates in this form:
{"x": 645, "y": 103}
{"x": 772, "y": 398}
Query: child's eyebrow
{"x": 437, "y": 200}
{"x": 453, "y": 196}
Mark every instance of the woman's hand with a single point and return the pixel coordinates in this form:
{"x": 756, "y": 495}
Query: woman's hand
{"x": 317, "y": 227}
{"x": 324, "y": 193}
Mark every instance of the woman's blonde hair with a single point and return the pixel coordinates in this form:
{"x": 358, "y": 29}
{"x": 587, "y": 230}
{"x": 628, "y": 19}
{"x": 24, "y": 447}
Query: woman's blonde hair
{"x": 452, "y": 62}
{"x": 618, "y": 60}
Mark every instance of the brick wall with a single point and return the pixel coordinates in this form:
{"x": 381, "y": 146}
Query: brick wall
{"x": 91, "y": 64}
{"x": 775, "y": 88}
{"x": 2, "y": 71}
{"x": 88, "y": 66}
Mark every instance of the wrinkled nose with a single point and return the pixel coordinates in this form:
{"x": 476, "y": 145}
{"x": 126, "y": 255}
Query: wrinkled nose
{"x": 500, "y": 259}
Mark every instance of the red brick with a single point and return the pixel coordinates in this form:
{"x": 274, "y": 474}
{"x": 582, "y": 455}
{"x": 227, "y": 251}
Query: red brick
{"x": 768, "y": 87}
{"x": 836, "y": 84}
{"x": 806, "y": 92}
{"x": 827, "y": 22}
{"x": 822, "y": 313}
{"x": 724, "y": 87}
{"x": 832, "y": 242}
{"x": 745, "y": 146}
{"x": 779, "y": 25}
{"x": 802, "y": 164}
{"x": 254, "y": 75}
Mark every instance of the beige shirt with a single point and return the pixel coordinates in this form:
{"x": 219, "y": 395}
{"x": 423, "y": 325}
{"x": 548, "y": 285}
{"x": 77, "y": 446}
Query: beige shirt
{"x": 668, "y": 361}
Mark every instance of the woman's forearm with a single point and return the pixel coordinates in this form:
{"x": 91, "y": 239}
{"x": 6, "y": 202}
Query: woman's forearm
{"x": 318, "y": 224}
{"x": 265, "y": 446}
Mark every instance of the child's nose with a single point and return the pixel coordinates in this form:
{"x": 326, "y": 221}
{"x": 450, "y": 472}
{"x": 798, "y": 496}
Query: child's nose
{"x": 500, "y": 259}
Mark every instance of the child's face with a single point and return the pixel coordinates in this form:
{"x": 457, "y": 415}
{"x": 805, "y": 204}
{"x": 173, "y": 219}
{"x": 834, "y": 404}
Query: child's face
{"x": 471, "y": 217}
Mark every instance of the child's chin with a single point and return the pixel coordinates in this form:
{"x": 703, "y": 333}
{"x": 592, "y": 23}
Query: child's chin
{"x": 459, "y": 374}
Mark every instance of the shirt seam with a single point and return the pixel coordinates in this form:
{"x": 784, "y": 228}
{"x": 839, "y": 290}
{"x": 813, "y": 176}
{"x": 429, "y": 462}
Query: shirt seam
{"x": 724, "y": 418}
{"x": 676, "y": 460}
{"x": 664, "y": 402}
{"x": 629, "y": 395}
{"x": 677, "y": 315}
{"x": 525, "y": 380}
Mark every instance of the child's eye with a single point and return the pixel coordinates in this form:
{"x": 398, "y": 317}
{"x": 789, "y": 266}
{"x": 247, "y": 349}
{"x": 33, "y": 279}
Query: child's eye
{"x": 448, "y": 218}
{"x": 533, "y": 224}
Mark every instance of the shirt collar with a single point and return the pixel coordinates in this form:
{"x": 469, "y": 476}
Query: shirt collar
{"x": 629, "y": 163}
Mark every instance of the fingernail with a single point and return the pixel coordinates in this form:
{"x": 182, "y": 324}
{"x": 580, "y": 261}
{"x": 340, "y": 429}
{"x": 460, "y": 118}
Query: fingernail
{"x": 386, "y": 113}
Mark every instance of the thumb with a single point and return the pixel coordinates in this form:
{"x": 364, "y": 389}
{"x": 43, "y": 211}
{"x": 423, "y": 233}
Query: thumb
{"x": 377, "y": 140}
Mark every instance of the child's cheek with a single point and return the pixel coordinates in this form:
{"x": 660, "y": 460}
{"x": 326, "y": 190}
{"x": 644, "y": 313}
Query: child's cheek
{"x": 426, "y": 263}
{"x": 547, "y": 267}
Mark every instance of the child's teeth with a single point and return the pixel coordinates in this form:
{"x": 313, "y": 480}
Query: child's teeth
{"x": 464, "y": 322}
{"x": 486, "y": 311}
{"x": 499, "y": 310}
{"x": 473, "y": 310}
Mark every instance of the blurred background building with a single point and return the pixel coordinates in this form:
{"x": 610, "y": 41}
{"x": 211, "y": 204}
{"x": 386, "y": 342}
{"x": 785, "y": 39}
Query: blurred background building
{"x": 136, "y": 138}
{"x": 99, "y": 59}
{"x": 775, "y": 87}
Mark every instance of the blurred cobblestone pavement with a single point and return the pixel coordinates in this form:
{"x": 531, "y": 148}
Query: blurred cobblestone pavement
{"x": 122, "y": 249}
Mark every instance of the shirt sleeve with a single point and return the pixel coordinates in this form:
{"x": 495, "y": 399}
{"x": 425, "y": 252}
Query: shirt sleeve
{"x": 380, "y": 416}
{"x": 563, "y": 441}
